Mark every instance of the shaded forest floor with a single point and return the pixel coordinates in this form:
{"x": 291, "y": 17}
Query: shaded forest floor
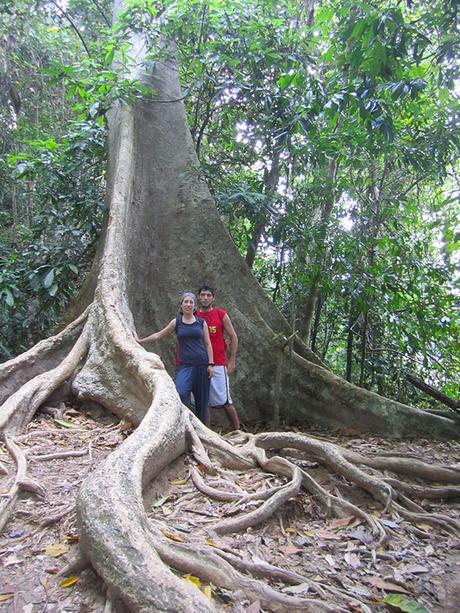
{"x": 417, "y": 564}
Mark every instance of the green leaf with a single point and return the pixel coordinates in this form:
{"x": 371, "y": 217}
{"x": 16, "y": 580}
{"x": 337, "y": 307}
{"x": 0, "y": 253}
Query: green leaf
{"x": 404, "y": 604}
{"x": 285, "y": 81}
{"x": 160, "y": 502}
{"x": 65, "y": 423}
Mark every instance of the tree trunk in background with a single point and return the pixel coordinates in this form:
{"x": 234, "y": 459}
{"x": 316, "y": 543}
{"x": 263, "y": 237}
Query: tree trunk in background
{"x": 318, "y": 258}
{"x": 433, "y": 392}
{"x": 362, "y": 357}
{"x": 314, "y": 334}
{"x": 350, "y": 335}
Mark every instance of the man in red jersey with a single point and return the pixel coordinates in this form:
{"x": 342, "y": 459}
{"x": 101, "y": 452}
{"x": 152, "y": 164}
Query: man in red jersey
{"x": 219, "y": 323}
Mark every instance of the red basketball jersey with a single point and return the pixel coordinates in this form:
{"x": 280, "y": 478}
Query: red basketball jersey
{"x": 214, "y": 319}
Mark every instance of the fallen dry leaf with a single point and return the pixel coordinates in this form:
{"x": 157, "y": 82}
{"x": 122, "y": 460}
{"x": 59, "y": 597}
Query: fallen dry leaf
{"x": 12, "y": 560}
{"x": 326, "y": 535}
{"x": 56, "y": 550}
{"x": 5, "y": 597}
{"x": 173, "y": 537}
{"x": 65, "y": 423}
{"x": 404, "y": 604}
{"x": 415, "y": 569}
{"x": 125, "y": 425}
{"x": 69, "y": 581}
{"x": 212, "y": 544}
{"x": 330, "y": 560}
{"x": 343, "y": 522}
{"x": 160, "y": 502}
{"x": 423, "y": 526}
{"x": 254, "y": 607}
{"x": 352, "y": 560}
{"x": 289, "y": 549}
{"x": 301, "y": 588}
{"x": 381, "y": 584}
{"x": 192, "y": 579}
{"x": 71, "y": 538}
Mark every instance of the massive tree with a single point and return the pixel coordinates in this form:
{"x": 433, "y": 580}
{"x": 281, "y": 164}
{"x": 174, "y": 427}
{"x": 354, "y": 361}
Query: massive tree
{"x": 163, "y": 235}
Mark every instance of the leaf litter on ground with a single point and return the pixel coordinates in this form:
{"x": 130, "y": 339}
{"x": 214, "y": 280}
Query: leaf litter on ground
{"x": 302, "y": 538}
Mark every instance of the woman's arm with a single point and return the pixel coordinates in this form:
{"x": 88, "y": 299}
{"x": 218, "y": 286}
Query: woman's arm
{"x": 156, "y": 336}
{"x": 208, "y": 346}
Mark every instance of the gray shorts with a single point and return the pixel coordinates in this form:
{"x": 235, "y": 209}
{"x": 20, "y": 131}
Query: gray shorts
{"x": 219, "y": 393}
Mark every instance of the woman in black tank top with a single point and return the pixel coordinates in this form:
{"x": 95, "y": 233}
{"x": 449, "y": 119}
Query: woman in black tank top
{"x": 195, "y": 358}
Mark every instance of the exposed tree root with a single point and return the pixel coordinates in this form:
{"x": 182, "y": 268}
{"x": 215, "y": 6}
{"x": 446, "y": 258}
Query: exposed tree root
{"x": 211, "y": 567}
{"x": 339, "y": 507}
{"x": 265, "y": 511}
{"x": 231, "y": 496}
{"x": 199, "y": 451}
{"x": 444, "y": 522}
{"x": 263, "y": 569}
{"x": 274, "y": 573}
{"x": 121, "y": 478}
{"x": 420, "y": 491}
{"x": 54, "y": 519}
{"x": 20, "y": 407}
{"x": 21, "y": 482}
{"x": 331, "y": 456}
{"x": 59, "y": 456}
{"x": 74, "y": 567}
{"x": 405, "y": 466}
{"x": 130, "y": 552}
{"x": 43, "y": 356}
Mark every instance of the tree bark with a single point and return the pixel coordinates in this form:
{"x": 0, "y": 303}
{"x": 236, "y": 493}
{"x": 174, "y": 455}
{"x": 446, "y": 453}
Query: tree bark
{"x": 317, "y": 261}
{"x": 350, "y": 338}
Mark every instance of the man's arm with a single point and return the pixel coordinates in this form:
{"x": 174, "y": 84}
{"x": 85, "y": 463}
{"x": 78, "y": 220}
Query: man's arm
{"x": 208, "y": 346}
{"x": 230, "y": 331}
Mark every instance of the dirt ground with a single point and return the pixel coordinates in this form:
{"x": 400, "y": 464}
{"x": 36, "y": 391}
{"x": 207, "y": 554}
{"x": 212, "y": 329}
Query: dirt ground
{"x": 418, "y": 565}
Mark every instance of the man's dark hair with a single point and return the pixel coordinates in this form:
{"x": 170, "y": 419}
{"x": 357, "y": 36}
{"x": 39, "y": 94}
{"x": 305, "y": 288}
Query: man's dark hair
{"x": 206, "y": 288}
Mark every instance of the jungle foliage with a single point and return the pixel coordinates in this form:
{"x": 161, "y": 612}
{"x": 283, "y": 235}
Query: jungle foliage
{"x": 327, "y": 132}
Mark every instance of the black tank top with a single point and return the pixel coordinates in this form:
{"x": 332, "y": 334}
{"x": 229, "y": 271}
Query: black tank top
{"x": 192, "y": 351}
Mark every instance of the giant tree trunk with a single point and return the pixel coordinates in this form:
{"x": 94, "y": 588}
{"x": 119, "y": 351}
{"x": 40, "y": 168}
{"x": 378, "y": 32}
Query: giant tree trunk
{"x": 164, "y": 236}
